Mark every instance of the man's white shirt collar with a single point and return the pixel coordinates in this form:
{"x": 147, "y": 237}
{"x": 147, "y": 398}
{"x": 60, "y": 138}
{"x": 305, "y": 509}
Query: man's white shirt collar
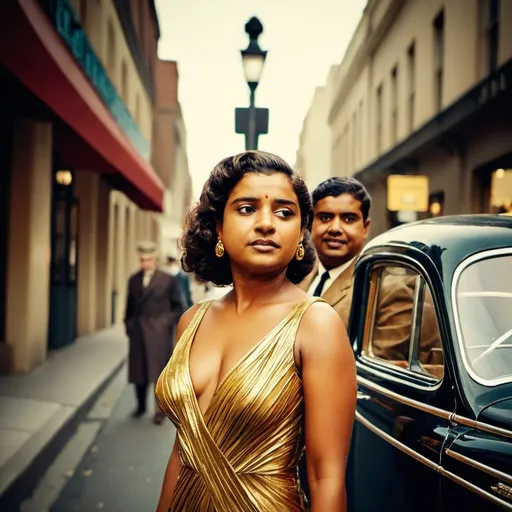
{"x": 334, "y": 273}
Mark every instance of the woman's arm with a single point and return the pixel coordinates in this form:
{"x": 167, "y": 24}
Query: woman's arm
{"x": 330, "y": 393}
{"x": 174, "y": 465}
{"x": 170, "y": 478}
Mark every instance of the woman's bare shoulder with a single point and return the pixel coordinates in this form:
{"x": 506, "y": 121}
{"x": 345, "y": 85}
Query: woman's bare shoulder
{"x": 320, "y": 313}
{"x": 321, "y": 323}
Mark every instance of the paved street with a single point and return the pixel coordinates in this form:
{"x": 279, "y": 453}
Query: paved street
{"x": 123, "y": 468}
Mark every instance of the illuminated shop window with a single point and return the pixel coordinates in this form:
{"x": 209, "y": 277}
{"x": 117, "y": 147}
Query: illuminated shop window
{"x": 501, "y": 191}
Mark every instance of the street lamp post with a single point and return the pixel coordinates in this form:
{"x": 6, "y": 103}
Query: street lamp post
{"x": 252, "y": 121}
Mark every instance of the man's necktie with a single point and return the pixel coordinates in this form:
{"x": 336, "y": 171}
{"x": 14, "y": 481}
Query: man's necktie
{"x": 320, "y": 287}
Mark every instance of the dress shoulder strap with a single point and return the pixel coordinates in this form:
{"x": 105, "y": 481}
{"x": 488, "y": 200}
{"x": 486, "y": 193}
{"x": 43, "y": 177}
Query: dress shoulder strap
{"x": 288, "y": 333}
{"x": 298, "y": 312}
{"x": 303, "y": 306}
{"x": 196, "y": 320}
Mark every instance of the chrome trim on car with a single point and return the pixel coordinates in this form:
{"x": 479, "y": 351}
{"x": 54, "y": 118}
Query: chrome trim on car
{"x": 374, "y": 287}
{"x": 428, "y": 386}
{"x": 441, "y": 413}
{"x": 455, "y": 307}
{"x": 393, "y": 256}
{"x": 478, "y": 465}
{"x": 397, "y": 444}
{"x": 479, "y": 425}
{"x": 416, "y": 323}
{"x": 432, "y": 465}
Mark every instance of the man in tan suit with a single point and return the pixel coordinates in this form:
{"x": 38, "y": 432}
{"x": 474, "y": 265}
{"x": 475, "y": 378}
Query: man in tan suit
{"x": 340, "y": 228}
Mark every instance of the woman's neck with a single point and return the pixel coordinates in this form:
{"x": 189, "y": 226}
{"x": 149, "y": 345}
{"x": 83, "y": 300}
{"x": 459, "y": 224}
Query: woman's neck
{"x": 252, "y": 290}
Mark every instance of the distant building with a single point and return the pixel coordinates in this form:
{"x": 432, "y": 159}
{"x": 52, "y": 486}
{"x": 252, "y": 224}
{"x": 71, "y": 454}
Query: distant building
{"x": 314, "y": 153}
{"x": 77, "y": 191}
{"x": 425, "y": 89}
{"x": 170, "y": 157}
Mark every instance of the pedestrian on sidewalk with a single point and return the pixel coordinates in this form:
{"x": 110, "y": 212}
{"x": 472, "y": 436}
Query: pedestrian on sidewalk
{"x": 173, "y": 267}
{"x": 154, "y": 306}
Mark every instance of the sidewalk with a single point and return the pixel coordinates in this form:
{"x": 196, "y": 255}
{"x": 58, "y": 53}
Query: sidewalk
{"x": 41, "y": 410}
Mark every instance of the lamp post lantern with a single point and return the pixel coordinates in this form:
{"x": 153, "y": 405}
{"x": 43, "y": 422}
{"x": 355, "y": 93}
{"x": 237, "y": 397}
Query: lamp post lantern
{"x": 252, "y": 121}
{"x": 253, "y": 57}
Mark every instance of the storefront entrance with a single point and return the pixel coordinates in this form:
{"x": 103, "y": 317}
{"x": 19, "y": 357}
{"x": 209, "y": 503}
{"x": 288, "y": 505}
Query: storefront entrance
{"x": 64, "y": 262}
{"x": 493, "y": 187}
{"x": 6, "y": 134}
{"x": 501, "y": 191}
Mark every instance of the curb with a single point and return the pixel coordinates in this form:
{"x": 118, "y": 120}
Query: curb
{"x": 26, "y": 482}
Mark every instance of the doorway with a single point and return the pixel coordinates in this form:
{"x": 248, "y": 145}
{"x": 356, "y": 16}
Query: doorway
{"x": 6, "y": 138}
{"x": 64, "y": 262}
{"x": 493, "y": 187}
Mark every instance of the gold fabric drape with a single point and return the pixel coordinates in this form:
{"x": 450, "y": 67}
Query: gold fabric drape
{"x": 242, "y": 455}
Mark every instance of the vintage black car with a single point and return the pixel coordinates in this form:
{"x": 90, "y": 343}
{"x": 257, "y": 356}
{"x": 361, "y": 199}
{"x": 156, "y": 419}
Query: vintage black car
{"x": 431, "y": 326}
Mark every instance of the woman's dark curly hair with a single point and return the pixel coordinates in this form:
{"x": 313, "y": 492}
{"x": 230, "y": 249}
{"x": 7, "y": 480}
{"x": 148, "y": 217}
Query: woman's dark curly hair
{"x": 200, "y": 236}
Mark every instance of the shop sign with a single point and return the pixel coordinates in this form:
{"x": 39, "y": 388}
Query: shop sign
{"x": 407, "y": 193}
{"x": 68, "y": 26}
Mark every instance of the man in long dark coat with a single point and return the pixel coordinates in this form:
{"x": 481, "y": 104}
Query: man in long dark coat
{"x": 154, "y": 305}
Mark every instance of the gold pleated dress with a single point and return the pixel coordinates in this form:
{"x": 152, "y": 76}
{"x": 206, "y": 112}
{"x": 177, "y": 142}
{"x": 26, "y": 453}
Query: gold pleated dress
{"x": 242, "y": 455}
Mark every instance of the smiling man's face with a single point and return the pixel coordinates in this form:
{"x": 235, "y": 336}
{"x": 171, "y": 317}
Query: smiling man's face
{"x": 339, "y": 230}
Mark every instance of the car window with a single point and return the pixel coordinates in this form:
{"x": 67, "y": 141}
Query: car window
{"x": 484, "y": 305}
{"x": 401, "y": 324}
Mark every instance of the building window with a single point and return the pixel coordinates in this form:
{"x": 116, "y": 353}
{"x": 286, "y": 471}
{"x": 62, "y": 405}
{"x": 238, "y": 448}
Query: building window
{"x": 111, "y": 48}
{"x": 490, "y": 14}
{"x": 348, "y": 150}
{"x": 439, "y": 59}
{"x": 378, "y": 119}
{"x": 134, "y": 11}
{"x": 124, "y": 82}
{"x": 142, "y": 27}
{"x": 356, "y": 139}
{"x": 411, "y": 75}
{"x": 137, "y": 110}
{"x": 353, "y": 139}
{"x": 83, "y": 14}
{"x": 394, "y": 104}
{"x": 361, "y": 133}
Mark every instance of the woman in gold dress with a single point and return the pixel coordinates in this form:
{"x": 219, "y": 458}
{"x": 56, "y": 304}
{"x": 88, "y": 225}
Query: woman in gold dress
{"x": 265, "y": 371}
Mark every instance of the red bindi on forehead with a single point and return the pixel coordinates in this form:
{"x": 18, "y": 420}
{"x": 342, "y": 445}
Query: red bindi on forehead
{"x": 266, "y": 196}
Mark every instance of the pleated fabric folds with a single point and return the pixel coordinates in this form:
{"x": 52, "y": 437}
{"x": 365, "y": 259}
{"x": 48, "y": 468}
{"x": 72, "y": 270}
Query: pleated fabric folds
{"x": 242, "y": 454}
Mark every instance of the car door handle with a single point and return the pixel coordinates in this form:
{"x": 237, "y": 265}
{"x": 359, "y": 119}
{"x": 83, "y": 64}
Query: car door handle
{"x": 362, "y": 396}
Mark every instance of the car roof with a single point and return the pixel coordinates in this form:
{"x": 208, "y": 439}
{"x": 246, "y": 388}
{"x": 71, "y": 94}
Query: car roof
{"x": 459, "y": 235}
{"x": 447, "y": 241}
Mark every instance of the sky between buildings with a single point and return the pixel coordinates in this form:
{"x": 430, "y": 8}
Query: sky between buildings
{"x": 303, "y": 38}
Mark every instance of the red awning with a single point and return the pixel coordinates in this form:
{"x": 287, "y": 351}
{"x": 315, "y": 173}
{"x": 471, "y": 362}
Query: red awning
{"x": 34, "y": 52}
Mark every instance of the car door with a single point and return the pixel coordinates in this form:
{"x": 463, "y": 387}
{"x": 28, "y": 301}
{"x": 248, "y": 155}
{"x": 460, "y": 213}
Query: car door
{"x": 477, "y": 471}
{"x": 477, "y": 462}
{"x": 405, "y": 396}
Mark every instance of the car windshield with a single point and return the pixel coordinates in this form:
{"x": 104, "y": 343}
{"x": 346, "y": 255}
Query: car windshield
{"x": 484, "y": 304}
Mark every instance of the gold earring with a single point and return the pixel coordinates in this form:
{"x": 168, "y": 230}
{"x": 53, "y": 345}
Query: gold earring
{"x": 299, "y": 253}
{"x": 219, "y": 249}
